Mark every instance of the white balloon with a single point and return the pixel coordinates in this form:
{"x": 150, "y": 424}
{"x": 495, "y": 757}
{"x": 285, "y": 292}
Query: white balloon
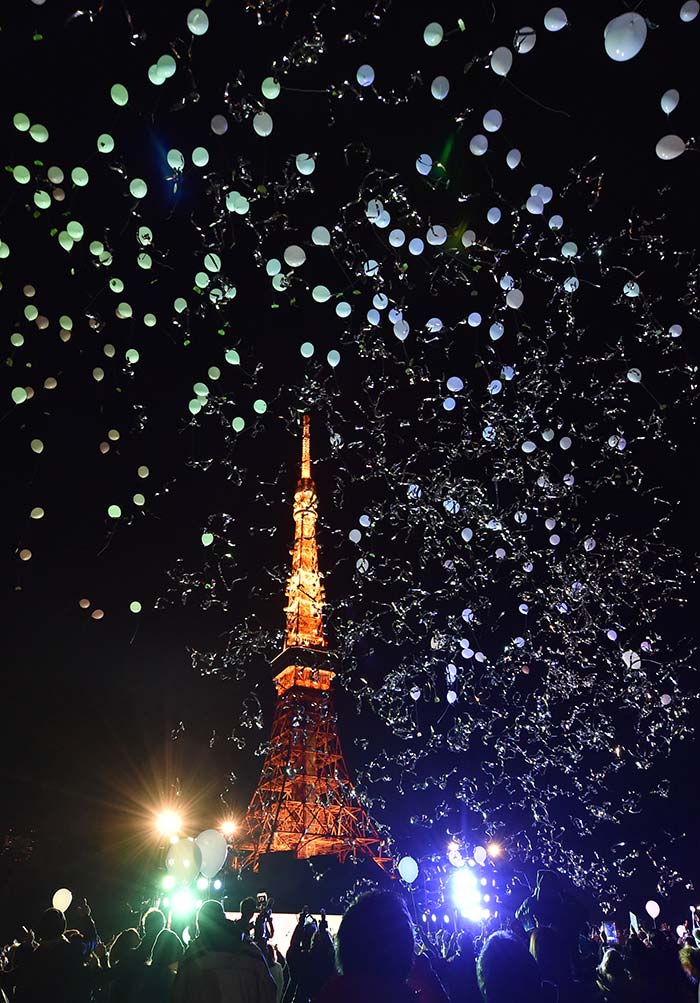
{"x": 669, "y": 100}
{"x": 690, "y": 10}
{"x": 535, "y": 205}
{"x": 433, "y": 34}
{"x": 501, "y": 61}
{"x": 440, "y": 88}
{"x": 493, "y": 120}
{"x": 214, "y": 848}
{"x": 62, "y": 899}
{"x": 653, "y": 908}
{"x": 468, "y": 238}
{"x": 634, "y": 375}
{"x": 424, "y": 164}
{"x": 478, "y": 145}
{"x": 555, "y": 19}
{"x": 365, "y": 75}
{"x": 625, "y": 36}
{"x": 184, "y": 859}
{"x": 262, "y": 123}
{"x": 670, "y": 147}
{"x": 479, "y": 854}
{"x": 524, "y": 40}
{"x": 320, "y": 236}
{"x": 295, "y": 256}
{"x": 515, "y": 299}
{"x": 513, "y": 159}
{"x": 408, "y": 867}
{"x": 305, "y": 163}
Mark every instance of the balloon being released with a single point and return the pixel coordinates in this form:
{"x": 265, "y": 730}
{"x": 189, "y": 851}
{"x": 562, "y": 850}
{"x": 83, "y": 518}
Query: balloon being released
{"x": 184, "y": 859}
{"x": 669, "y": 100}
{"x": 214, "y": 848}
{"x": 62, "y": 899}
{"x": 625, "y": 36}
{"x": 670, "y": 147}
{"x": 408, "y": 869}
{"x": 653, "y": 908}
{"x": 501, "y": 61}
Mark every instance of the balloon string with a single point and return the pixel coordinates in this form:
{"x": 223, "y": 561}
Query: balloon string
{"x": 541, "y": 104}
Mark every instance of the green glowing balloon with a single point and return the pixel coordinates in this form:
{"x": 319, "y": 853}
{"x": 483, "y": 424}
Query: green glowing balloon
{"x": 195, "y": 406}
{"x": 144, "y": 235}
{"x": 259, "y": 406}
{"x": 139, "y": 499}
{"x": 75, "y": 230}
{"x": 65, "y": 240}
{"x": 201, "y": 389}
{"x": 96, "y": 247}
{"x": 144, "y": 260}
{"x": 109, "y": 350}
{"x": 156, "y": 75}
{"x": 138, "y": 188}
{"x": 143, "y": 472}
{"x": 79, "y": 177}
{"x": 21, "y": 174}
{"x": 31, "y": 312}
{"x": 66, "y": 322}
{"x": 212, "y": 262}
{"x": 238, "y": 424}
{"x": 131, "y": 356}
{"x": 98, "y": 374}
{"x": 175, "y": 160}
{"x": 116, "y": 285}
{"x": 21, "y": 122}
{"x": 19, "y": 395}
{"x": 149, "y": 319}
{"x": 201, "y": 280}
{"x": 198, "y": 21}
{"x": 232, "y": 357}
{"x": 4, "y": 252}
{"x": 200, "y": 156}
{"x": 180, "y": 305}
{"x": 106, "y": 259}
{"x": 124, "y": 311}
{"x": 42, "y": 199}
{"x": 207, "y": 539}
{"x": 270, "y": 88}
{"x": 17, "y": 340}
{"x": 114, "y": 511}
{"x": 333, "y": 358}
{"x": 307, "y": 350}
{"x": 119, "y": 94}
{"x": 37, "y": 513}
{"x": 37, "y": 446}
{"x": 167, "y": 66}
{"x": 135, "y": 606}
{"x": 213, "y": 372}
{"x": 321, "y": 294}
{"x": 105, "y": 143}
{"x": 55, "y": 175}
{"x": 39, "y": 133}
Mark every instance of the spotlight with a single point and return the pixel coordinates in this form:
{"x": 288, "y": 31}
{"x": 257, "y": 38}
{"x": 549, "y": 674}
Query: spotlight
{"x": 217, "y": 885}
{"x": 168, "y": 823}
{"x": 466, "y": 895}
{"x": 202, "y": 884}
{"x": 168, "y": 882}
{"x": 446, "y": 919}
{"x": 494, "y": 850}
{"x": 183, "y": 902}
{"x": 228, "y": 827}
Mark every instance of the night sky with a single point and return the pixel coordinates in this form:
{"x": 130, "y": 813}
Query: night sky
{"x": 104, "y": 720}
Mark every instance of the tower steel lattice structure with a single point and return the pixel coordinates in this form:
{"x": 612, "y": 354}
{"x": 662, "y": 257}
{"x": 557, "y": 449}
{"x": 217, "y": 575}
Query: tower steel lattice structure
{"x": 305, "y": 802}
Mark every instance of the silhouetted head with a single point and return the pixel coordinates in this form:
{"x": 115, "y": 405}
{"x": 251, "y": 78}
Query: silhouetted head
{"x": 375, "y": 938}
{"x": 167, "y": 949}
{"x": 248, "y": 907}
{"x": 153, "y": 922}
{"x": 52, "y": 925}
{"x": 506, "y": 971}
{"x": 124, "y": 944}
{"x": 548, "y": 950}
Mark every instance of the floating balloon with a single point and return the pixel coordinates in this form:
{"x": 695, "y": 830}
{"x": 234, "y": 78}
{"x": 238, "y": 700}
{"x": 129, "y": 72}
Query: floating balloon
{"x": 625, "y": 36}
{"x": 524, "y": 40}
{"x": 478, "y": 145}
{"x": 408, "y": 867}
{"x": 670, "y": 147}
{"x": 501, "y": 61}
{"x": 213, "y": 847}
{"x": 198, "y": 21}
{"x": 433, "y": 34}
{"x": 555, "y": 19}
{"x": 62, "y": 899}
{"x": 479, "y": 855}
{"x": 262, "y": 123}
{"x": 365, "y": 75}
{"x": 492, "y": 120}
{"x": 690, "y": 10}
{"x": 184, "y": 859}
{"x": 669, "y": 100}
{"x": 653, "y": 908}
{"x": 440, "y": 88}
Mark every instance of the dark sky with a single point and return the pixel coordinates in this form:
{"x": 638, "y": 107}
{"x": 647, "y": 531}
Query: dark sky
{"x": 90, "y": 707}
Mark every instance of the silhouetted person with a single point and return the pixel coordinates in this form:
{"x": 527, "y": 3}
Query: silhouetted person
{"x": 507, "y": 972}
{"x": 152, "y": 923}
{"x": 57, "y": 973}
{"x": 244, "y": 924}
{"x": 159, "y": 976}
{"x": 219, "y": 967}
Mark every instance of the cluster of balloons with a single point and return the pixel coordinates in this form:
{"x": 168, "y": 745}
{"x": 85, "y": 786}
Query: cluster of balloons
{"x": 206, "y": 855}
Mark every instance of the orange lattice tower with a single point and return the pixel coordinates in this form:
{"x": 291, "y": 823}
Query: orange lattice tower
{"x": 305, "y": 802}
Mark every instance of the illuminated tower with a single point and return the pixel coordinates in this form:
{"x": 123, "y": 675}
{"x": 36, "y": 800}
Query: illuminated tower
{"x": 305, "y": 802}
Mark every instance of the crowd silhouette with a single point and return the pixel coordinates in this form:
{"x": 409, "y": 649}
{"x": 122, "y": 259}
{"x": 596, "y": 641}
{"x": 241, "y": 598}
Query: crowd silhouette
{"x": 546, "y": 953}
